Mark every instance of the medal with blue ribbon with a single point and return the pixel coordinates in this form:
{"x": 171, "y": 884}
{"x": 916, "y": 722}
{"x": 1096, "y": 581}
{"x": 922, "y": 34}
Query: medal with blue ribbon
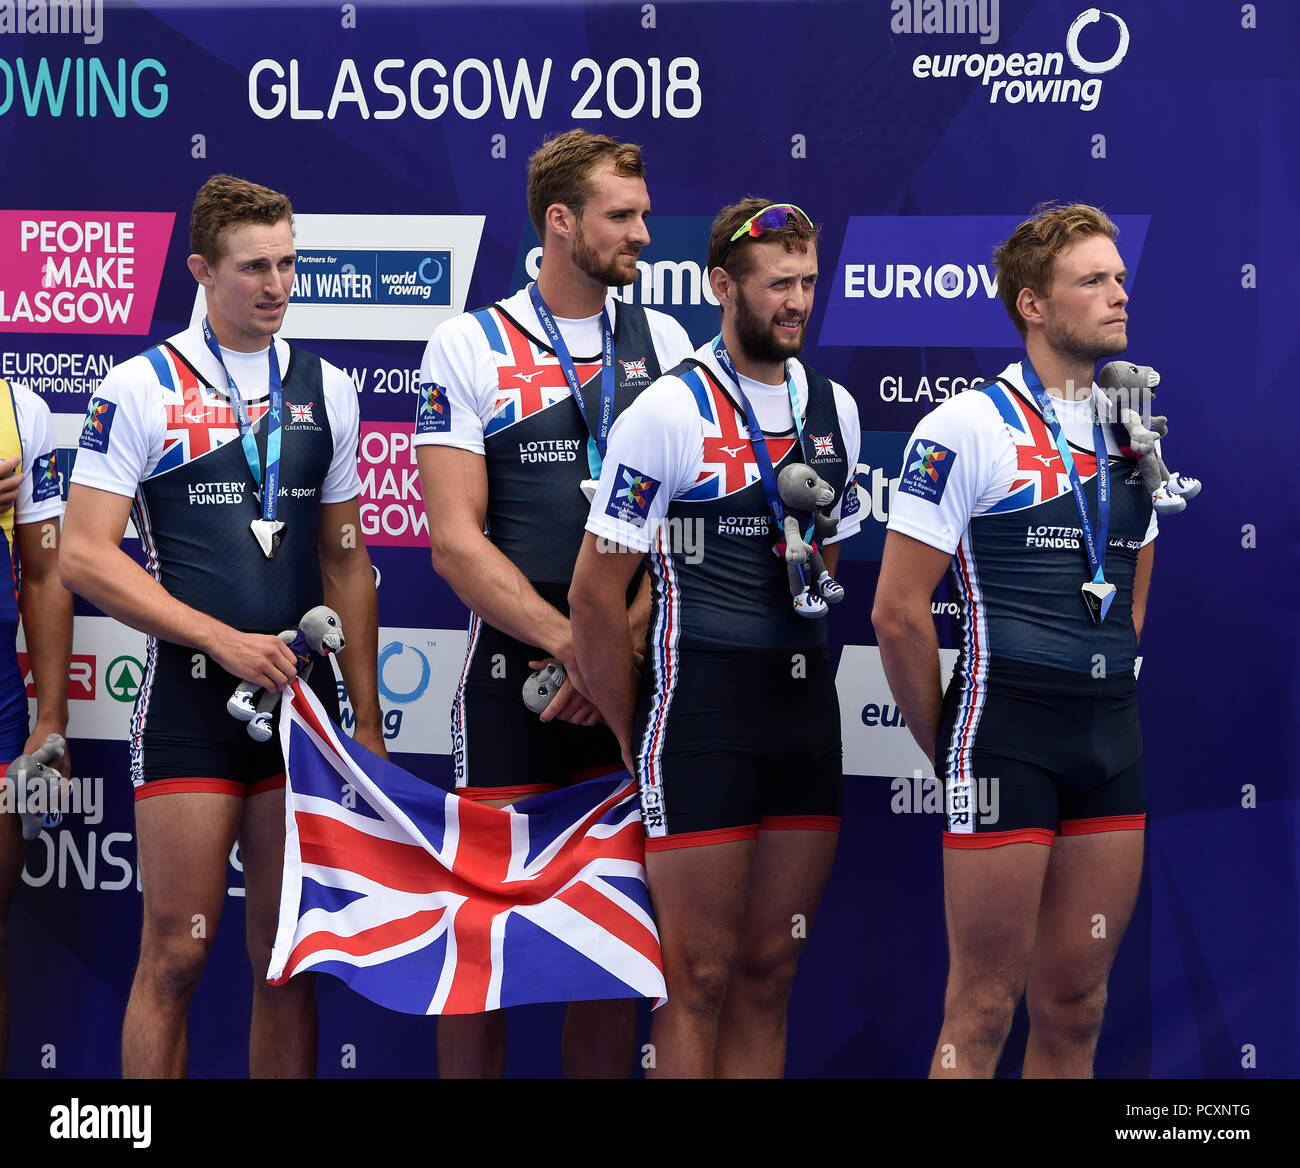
{"x": 597, "y": 433}
{"x": 1098, "y": 595}
{"x": 267, "y": 529}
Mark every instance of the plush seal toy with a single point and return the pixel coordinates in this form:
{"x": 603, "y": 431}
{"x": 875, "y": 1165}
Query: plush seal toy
{"x": 1129, "y": 389}
{"x": 319, "y": 632}
{"x": 805, "y": 493}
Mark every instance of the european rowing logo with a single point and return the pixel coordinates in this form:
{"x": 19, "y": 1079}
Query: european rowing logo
{"x": 634, "y": 370}
{"x": 632, "y": 495}
{"x": 434, "y": 416}
{"x": 299, "y": 413}
{"x": 98, "y": 423}
{"x": 45, "y": 479}
{"x": 927, "y": 475}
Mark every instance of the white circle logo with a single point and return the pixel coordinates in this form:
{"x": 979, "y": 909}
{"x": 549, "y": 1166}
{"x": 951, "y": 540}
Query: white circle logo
{"x": 1085, "y": 18}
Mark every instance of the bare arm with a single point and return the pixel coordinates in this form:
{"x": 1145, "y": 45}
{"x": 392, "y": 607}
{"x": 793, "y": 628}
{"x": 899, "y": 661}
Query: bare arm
{"x": 598, "y": 603}
{"x": 1142, "y": 586}
{"x": 455, "y": 487}
{"x": 9, "y": 482}
{"x": 909, "y": 646}
{"x": 638, "y": 620}
{"x": 93, "y": 564}
{"x": 47, "y": 624}
{"x": 349, "y": 585}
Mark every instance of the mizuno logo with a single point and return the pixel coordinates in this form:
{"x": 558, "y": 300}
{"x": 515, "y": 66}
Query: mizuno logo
{"x": 528, "y": 377}
{"x": 1046, "y": 459}
{"x": 732, "y": 450}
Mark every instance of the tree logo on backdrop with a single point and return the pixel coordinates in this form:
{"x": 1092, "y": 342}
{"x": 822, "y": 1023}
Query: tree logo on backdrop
{"x": 1077, "y": 59}
{"x": 123, "y": 677}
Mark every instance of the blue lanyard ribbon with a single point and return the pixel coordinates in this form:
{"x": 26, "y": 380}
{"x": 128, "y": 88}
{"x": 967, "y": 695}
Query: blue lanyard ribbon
{"x": 756, "y": 439}
{"x": 1095, "y": 546}
{"x": 597, "y": 435}
{"x": 271, "y": 490}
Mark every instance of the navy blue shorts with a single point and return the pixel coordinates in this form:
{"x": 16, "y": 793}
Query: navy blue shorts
{"x": 182, "y": 738}
{"x": 1030, "y": 752}
{"x": 500, "y": 748}
{"x": 733, "y": 740}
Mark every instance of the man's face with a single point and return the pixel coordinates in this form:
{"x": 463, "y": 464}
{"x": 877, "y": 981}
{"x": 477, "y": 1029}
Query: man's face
{"x": 774, "y": 301}
{"x": 249, "y": 285}
{"x": 612, "y": 228}
{"x": 1083, "y": 315}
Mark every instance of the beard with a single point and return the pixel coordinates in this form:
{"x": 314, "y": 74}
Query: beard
{"x": 758, "y": 337}
{"x": 1090, "y": 346}
{"x": 587, "y": 260}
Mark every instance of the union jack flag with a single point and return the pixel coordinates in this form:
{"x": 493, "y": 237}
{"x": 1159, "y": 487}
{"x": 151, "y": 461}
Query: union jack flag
{"x": 299, "y": 413}
{"x": 634, "y": 368}
{"x": 427, "y": 903}
{"x": 823, "y": 445}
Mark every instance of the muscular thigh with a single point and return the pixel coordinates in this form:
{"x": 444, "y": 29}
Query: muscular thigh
{"x": 184, "y": 845}
{"x": 1088, "y": 896}
{"x": 184, "y": 740}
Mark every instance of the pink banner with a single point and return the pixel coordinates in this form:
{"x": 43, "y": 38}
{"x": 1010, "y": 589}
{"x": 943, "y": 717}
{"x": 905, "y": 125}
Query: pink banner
{"x": 392, "y": 508}
{"x": 81, "y": 271}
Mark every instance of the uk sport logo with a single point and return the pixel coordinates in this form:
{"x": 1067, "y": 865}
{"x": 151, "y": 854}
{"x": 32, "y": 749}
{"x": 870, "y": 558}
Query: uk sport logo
{"x": 632, "y": 495}
{"x": 928, "y": 470}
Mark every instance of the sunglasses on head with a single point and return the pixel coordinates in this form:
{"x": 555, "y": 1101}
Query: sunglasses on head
{"x": 773, "y": 218}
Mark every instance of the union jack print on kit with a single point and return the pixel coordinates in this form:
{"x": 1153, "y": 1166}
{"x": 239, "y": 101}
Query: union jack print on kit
{"x": 1041, "y": 475}
{"x": 729, "y": 464}
{"x": 432, "y": 904}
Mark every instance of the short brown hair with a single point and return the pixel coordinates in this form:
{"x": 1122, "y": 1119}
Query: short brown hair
{"x": 739, "y": 261}
{"x": 1025, "y": 258}
{"x": 224, "y": 202}
{"x": 560, "y": 171}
